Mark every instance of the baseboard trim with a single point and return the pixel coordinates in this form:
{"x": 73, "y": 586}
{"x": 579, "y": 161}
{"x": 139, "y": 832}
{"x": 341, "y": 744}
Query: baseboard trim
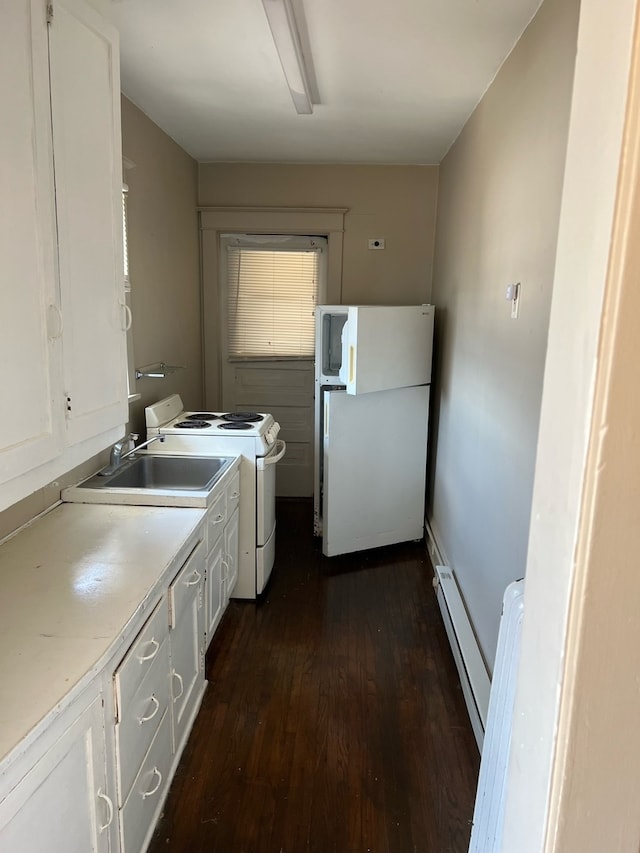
{"x": 474, "y": 678}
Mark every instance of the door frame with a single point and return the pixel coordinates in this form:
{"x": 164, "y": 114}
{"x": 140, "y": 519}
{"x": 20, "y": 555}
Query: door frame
{"x": 575, "y": 747}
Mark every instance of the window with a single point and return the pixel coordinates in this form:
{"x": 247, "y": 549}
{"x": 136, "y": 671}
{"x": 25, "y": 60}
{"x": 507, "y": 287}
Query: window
{"x": 272, "y": 286}
{"x": 125, "y": 238}
{"x": 131, "y": 374}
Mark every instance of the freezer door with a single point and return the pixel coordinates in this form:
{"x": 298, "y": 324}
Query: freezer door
{"x": 375, "y": 454}
{"x": 386, "y": 347}
{"x": 330, "y": 320}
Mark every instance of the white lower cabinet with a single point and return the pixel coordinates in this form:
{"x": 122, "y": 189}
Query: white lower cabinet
{"x": 96, "y": 778}
{"x": 158, "y": 688}
{"x": 214, "y": 588}
{"x": 63, "y": 803}
{"x": 231, "y": 552}
{"x": 186, "y": 644}
{"x": 142, "y": 696}
{"x": 142, "y": 807}
{"x": 222, "y": 555}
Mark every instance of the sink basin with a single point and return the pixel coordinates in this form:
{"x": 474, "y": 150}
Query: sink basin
{"x": 154, "y": 480}
{"x": 163, "y": 472}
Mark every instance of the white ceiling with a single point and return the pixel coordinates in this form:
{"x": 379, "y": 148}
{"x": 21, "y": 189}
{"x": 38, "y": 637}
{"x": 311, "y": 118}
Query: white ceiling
{"x": 397, "y": 80}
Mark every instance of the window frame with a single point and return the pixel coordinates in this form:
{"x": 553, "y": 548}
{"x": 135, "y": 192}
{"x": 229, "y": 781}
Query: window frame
{"x": 126, "y": 286}
{"x": 328, "y": 222}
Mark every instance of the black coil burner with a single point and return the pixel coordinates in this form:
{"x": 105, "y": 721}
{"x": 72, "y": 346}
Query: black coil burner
{"x": 192, "y": 424}
{"x": 202, "y": 416}
{"x": 237, "y": 425}
{"x": 244, "y": 417}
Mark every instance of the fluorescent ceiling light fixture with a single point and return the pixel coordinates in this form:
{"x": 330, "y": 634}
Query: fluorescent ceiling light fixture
{"x": 287, "y": 40}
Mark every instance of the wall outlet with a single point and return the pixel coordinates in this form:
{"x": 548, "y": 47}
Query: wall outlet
{"x": 376, "y": 243}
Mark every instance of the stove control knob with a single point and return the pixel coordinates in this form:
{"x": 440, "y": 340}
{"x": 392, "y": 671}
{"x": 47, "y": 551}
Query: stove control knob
{"x": 272, "y": 433}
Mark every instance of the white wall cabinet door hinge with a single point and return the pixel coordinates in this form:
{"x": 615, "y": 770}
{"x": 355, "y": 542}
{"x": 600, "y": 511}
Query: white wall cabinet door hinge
{"x": 67, "y": 404}
{"x": 49, "y": 12}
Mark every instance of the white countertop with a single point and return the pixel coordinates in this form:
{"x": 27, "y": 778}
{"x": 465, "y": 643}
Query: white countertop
{"x": 70, "y": 583}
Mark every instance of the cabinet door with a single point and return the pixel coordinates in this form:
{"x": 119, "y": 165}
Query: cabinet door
{"x": 29, "y": 356}
{"x": 186, "y": 645}
{"x": 231, "y": 553}
{"x": 213, "y": 588}
{"x": 62, "y": 803}
{"x": 85, "y": 106}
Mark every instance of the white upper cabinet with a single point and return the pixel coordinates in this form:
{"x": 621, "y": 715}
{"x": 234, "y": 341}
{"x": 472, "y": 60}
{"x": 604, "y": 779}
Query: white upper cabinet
{"x": 63, "y": 343}
{"x": 85, "y": 105}
{"x": 29, "y": 305}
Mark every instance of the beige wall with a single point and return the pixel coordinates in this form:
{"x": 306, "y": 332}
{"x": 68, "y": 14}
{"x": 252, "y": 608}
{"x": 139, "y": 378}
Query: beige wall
{"x": 498, "y": 211}
{"x": 394, "y": 202}
{"x": 163, "y": 260}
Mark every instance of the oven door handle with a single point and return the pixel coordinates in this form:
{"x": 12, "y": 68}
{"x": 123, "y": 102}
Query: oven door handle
{"x": 279, "y": 449}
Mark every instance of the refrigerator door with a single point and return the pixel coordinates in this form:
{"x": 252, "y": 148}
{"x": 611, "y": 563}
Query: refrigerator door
{"x": 386, "y": 347}
{"x": 375, "y": 455}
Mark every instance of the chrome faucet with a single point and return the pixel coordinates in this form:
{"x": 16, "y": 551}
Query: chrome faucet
{"x": 124, "y": 448}
{"x": 121, "y": 448}
{"x": 143, "y": 444}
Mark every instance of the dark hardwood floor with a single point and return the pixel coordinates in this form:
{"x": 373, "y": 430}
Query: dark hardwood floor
{"x": 334, "y": 721}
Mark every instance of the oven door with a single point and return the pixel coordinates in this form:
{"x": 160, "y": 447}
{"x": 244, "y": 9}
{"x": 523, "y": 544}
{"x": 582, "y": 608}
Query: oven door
{"x": 266, "y": 492}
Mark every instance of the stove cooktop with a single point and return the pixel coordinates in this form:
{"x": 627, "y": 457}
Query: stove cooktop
{"x": 219, "y": 423}
{"x": 168, "y": 416}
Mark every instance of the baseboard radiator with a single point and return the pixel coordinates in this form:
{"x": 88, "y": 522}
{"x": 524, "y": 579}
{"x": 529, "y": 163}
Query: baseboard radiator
{"x": 472, "y": 670}
{"x": 488, "y": 815}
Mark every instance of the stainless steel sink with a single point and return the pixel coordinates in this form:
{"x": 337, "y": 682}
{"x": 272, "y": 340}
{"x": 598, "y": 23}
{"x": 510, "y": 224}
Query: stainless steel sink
{"x": 163, "y": 473}
{"x": 150, "y": 479}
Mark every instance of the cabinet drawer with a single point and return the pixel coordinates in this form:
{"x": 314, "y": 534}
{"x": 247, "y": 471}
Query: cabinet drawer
{"x": 147, "y": 794}
{"x": 190, "y": 575}
{"x": 216, "y": 518}
{"x": 140, "y": 718}
{"x": 139, "y": 659}
{"x": 233, "y": 494}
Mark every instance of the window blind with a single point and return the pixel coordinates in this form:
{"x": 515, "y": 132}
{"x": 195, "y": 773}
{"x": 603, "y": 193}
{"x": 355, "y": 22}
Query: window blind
{"x": 271, "y": 294}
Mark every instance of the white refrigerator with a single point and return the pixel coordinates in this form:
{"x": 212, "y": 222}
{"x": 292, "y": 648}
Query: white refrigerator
{"x": 372, "y": 383}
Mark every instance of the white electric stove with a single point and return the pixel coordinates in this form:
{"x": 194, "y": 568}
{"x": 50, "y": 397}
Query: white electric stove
{"x": 251, "y": 436}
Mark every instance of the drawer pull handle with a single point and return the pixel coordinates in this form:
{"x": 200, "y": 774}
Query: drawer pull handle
{"x": 196, "y": 578}
{"x": 218, "y": 519}
{"x": 179, "y": 677}
{"x": 109, "y": 803}
{"x": 150, "y": 793}
{"x": 152, "y": 642}
{"x": 234, "y": 495}
{"x": 156, "y": 708}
